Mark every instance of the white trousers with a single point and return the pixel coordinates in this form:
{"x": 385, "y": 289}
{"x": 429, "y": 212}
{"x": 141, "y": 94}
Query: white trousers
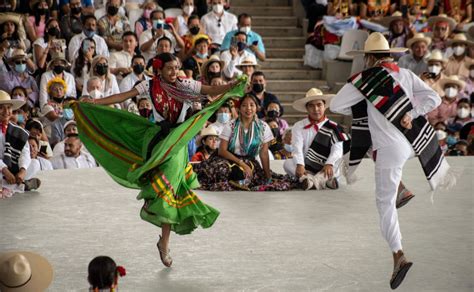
{"x": 388, "y": 174}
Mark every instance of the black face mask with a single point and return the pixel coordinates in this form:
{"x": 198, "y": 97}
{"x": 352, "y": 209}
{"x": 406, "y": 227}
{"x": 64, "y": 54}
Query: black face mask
{"x": 112, "y": 10}
{"x": 145, "y": 112}
{"x": 214, "y": 74}
{"x": 138, "y": 69}
{"x": 273, "y": 114}
{"x": 53, "y": 31}
{"x": 194, "y": 30}
{"x": 76, "y": 10}
{"x": 276, "y": 133}
{"x": 241, "y": 46}
{"x": 257, "y": 87}
{"x": 42, "y": 11}
{"x": 58, "y": 69}
{"x": 101, "y": 69}
{"x": 58, "y": 99}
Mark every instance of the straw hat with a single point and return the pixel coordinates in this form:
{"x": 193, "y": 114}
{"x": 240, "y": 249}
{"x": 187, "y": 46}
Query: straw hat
{"x": 387, "y": 20}
{"x": 248, "y": 61}
{"x": 453, "y": 79}
{"x": 442, "y": 18}
{"x": 419, "y": 37}
{"x": 17, "y": 54}
{"x": 459, "y": 38}
{"x": 6, "y": 99}
{"x": 209, "y": 131}
{"x": 58, "y": 56}
{"x": 212, "y": 59}
{"x": 436, "y": 55}
{"x": 376, "y": 43}
{"x": 24, "y": 271}
{"x": 312, "y": 94}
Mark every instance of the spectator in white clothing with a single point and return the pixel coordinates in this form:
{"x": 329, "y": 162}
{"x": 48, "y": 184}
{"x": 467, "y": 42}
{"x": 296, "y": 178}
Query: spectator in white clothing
{"x": 138, "y": 67}
{"x": 89, "y": 31}
{"x": 218, "y": 22}
{"x": 120, "y": 61}
{"x": 235, "y": 55}
{"x": 100, "y": 68}
{"x": 73, "y": 158}
{"x": 38, "y": 163}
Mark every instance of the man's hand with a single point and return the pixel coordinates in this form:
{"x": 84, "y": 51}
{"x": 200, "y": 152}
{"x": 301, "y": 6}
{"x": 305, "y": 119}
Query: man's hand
{"x": 233, "y": 52}
{"x": 406, "y": 121}
{"x": 300, "y": 170}
{"x": 254, "y": 48}
{"x": 9, "y": 177}
{"x": 328, "y": 171}
{"x": 20, "y": 176}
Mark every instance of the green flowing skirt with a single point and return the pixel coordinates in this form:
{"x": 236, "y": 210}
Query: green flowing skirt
{"x": 119, "y": 141}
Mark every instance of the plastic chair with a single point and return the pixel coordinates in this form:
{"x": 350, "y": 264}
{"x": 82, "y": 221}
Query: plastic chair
{"x": 353, "y": 39}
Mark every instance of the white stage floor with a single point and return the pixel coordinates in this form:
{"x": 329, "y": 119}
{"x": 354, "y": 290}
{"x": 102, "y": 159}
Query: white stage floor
{"x": 281, "y": 241}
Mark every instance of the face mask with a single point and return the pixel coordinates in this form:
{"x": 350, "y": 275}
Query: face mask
{"x": 89, "y": 33}
{"x": 145, "y": 112}
{"x": 288, "y": 147}
{"x": 275, "y": 132}
{"x": 214, "y": 74}
{"x": 101, "y": 69}
{"x": 42, "y": 11}
{"x": 147, "y": 13}
{"x": 58, "y": 99}
{"x": 68, "y": 114}
{"x": 241, "y": 46}
{"x": 257, "y": 87}
{"x": 20, "y": 119}
{"x": 112, "y": 10}
{"x": 20, "y": 68}
{"x": 188, "y": 9}
{"x": 245, "y": 29}
{"x": 451, "y": 92}
{"x": 441, "y": 134}
{"x": 463, "y": 113}
{"x": 434, "y": 69}
{"x": 201, "y": 56}
{"x": 218, "y": 8}
{"x": 223, "y": 117}
{"x": 273, "y": 114}
{"x": 194, "y": 30}
{"x": 76, "y": 10}
{"x": 18, "y": 97}
{"x": 53, "y": 31}
{"x": 458, "y": 50}
{"x": 138, "y": 69}
{"x": 58, "y": 69}
{"x": 95, "y": 94}
{"x": 451, "y": 140}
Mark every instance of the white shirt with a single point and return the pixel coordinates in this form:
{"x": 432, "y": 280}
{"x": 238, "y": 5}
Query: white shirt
{"x": 148, "y": 35}
{"x": 218, "y": 29}
{"x": 48, "y": 75}
{"x": 37, "y": 164}
{"x": 75, "y": 43}
{"x": 120, "y": 59}
{"x": 230, "y": 69}
{"x": 227, "y": 134}
{"x": 59, "y": 149}
{"x": 129, "y": 81}
{"x": 302, "y": 139}
{"x": 64, "y": 162}
{"x": 423, "y": 98}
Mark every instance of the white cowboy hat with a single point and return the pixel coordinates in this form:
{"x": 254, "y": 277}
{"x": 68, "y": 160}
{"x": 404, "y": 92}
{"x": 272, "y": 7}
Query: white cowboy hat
{"x": 459, "y": 38}
{"x": 17, "y": 54}
{"x": 248, "y": 61}
{"x": 312, "y": 94}
{"x": 387, "y": 20}
{"x": 453, "y": 79}
{"x": 209, "y": 131}
{"x": 376, "y": 43}
{"x": 418, "y": 37}
{"x": 442, "y": 18}
{"x": 6, "y": 99}
{"x": 436, "y": 55}
{"x": 23, "y": 271}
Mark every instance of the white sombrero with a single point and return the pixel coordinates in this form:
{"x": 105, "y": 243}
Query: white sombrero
{"x": 376, "y": 43}
{"x": 459, "y": 38}
{"x": 453, "y": 79}
{"x": 209, "y": 131}
{"x": 6, "y": 99}
{"x": 312, "y": 94}
{"x": 442, "y": 18}
{"x": 248, "y": 61}
{"x": 418, "y": 37}
{"x": 436, "y": 55}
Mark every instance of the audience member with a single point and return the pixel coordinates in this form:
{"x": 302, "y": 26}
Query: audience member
{"x": 100, "y": 68}
{"x": 469, "y": 88}
{"x": 181, "y": 21}
{"x": 112, "y": 25}
{"x": 441, "y": 134}
{"x": 89, "y": 31}
{"x": 10, "y": 36}
{"x": 452, "y": 86}
{"x": 416, "y": 60}
{"x": 194, "y": 30}
{"x": 284, "y": 150}
{"x": 461, "y": 11}
{"x": 120, "y": 61}
{"x": 463, "y": 115}
{"x": 163, "y": 45}
{"x": 35, "y": 127}
{"x": 72, "y": 157}
{"x": 70, "y": 128}
{"x": 44, "y": 47}
{"x": 144, "y": 22}
{"x": 273, "y": 112}
{"x": 212, "y": 68}
{"x": 145, "y": 109}
{"x": 218, "y": 22}
{"x": 26, "y": 271}
{"x": 52, "y": 114}
{"x": 258, "y": 84}
{"x": 71, "y": 22}
{"x": 436, "y": 66}
{"x": 224, "y": 116}
{"x": 457, "y": 62}
{"x": 81, "y": 66}
{"x": 103, "y": 274}
{"x": 235, "y": 55}
{"x": 247, "y": 67}
{"x": 137, "y": 74}
{"x": 36, "y": 24}
{"x": 38, "y": 163}
{"x": 192, "y": 65}
{"x": 442, "y": 27}
{"x": 209, "y": 140}
{"x": 373, "y": 10}
{"x": 399, "y": 31}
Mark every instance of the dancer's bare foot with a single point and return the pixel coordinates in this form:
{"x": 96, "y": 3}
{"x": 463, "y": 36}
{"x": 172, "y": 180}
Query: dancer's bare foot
{"x": 164, "y": 253}
{"x": 400, "y": 269}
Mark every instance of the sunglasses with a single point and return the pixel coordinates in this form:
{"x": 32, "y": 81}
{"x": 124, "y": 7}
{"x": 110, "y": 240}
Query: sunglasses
{"x": 20, "y": 62}
{"x": 219, "y": 22}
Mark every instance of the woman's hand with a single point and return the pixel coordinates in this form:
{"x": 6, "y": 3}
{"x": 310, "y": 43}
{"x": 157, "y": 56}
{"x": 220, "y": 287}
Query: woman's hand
{"x": 247, "y": 170}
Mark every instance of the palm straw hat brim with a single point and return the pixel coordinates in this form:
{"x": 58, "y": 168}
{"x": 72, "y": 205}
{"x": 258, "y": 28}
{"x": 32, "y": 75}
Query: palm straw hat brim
{"x": 6, "y": 99}
{"x": 300, "y": 104}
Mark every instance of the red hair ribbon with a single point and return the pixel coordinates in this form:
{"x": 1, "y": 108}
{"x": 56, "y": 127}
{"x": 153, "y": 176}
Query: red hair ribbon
{"x": 157, "y": 64}
{"x": 121, "y": 271}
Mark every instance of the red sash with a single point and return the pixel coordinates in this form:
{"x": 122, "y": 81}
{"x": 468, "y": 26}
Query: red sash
{"x": 168, "y": 108}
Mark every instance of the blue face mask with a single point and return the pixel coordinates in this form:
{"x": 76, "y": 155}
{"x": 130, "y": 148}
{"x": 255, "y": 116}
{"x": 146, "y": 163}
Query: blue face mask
{"x": 20, "y": 68}
{"x": 20, "y": 119}
{"x": 68, "y": 114}
{"x": 201, "y": 56}
{"x": 223, "y": 117}
{"x": 450, "y": 140}
{"x": 289, "y": 148}
{"x": 89, "y": 33}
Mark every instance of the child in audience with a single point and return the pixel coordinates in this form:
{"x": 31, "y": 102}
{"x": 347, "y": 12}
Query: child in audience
{"x": 103, "y": 274}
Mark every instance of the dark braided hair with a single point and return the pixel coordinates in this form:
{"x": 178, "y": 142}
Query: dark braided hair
{"x": 102, "y": 272}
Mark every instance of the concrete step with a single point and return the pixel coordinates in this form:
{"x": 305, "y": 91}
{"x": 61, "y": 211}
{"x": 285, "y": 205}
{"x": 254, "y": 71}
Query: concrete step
{"x": 280, "y": 63}
{"x": 284, "y": 53}
{"x": 262, "y": 2}
{"x": 290, "y": 85}
{"x": 279, "y": 31}
{"x": 302, "y": 74}
{"x": 284, "y": 42}
{"x": 263, "y": 10}
{"x": 283, "y": 21}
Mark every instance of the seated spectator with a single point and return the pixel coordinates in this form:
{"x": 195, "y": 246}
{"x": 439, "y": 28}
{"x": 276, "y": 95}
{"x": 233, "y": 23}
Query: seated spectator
{"x": 457, "y": 62}
{"x": 469, "y": 88}
{"x": 15, "y": 151}
{"x": 103, "y": 274}
{"x": 452, "y": 86}
{"x": 181, "y": 21}
{"x": 436, "y": 66}
{"x": 441, "y": 134}
{"x": 258, "y": 84}
{"x": 224, "y": 116}
{"x": 144, "y": 22}
{"x": 236, "y": 166}
{"x": 162, "y": 46}
{"x": 44, "y": 47}
{"x": 37, "y": 164}
{"x": 145, "y": 109}
{"x": 35, "y": 127}
{"x": 218, "y": 22}
{"x": 461, "y": 11}
{"x": 235, "y": 55}
{"x": 247, "y": 66}
{"x": 273, "y": 113}
{"x": 11, "y": 38}
{"x": 137, "y": 74}
{"x": 399, "y": 31}
{"x": 150, "y": 37}
{"x": 192, "y": 65}
{"x": 100, "y": 68}
{"x": 459, "y": 149}
{"x": 56, "y": 69}
{"x": 71, "y": 23}
{"x": 19, "y": 77}
{"x": 112, "y": 25}
{"x": 73, "y": 158}
{"x": 372, "y": 10}
{"x": 120, "y": 61}
{"x": 213, "y": 67}
{"x": 463, "y": 115}
{"x": 70, "y": 128}
{"x": 254, "y": 42}
{"x": 194, "y": 30}
{"x": 416, "y": 60}
{"x": 21, "y": 115}
{"x": 284, "y": 149}
{"x": 95, "y": 88}
{"x": 81, "y": 66}
{"x": 89, "y": 31}
{"x": 27, "y": 270}
{"x": 442, "y": 27}
{"x": 36, "y": 24}
{"x": 209, "y": 144}
{"x": 316, "y": 158}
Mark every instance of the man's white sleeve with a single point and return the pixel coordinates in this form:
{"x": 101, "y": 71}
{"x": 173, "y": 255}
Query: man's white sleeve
{"x": 345, "y": 99}
{"x": 335, "y": 154}
{"x": 298, "y": 144}
{"x": 425, "y": 98}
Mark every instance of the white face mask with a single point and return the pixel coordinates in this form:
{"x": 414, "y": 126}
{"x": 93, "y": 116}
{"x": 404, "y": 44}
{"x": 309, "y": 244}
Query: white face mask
{"x": 218, "y": 8}
{"x": 451, "y": 92}
{"x": 434, "y": 69}
{"x": 188, "y": 9}
{"x": 288, "y": 147}
{"x": 471, "y": 73}
{"x": 96, "y": 94}
{"x": 441, "y": 134}
{"x": 459, "y": 50}
{"x": 245, "y": 29}
{"x": 463, "y": 113}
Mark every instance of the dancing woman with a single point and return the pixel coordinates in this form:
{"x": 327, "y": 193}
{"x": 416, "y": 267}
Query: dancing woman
{"x": 154, "y": 157}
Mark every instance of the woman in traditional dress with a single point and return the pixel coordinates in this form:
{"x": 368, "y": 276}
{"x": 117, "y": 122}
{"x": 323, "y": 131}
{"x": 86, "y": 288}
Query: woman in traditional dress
{"x": 152, "y": 157}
